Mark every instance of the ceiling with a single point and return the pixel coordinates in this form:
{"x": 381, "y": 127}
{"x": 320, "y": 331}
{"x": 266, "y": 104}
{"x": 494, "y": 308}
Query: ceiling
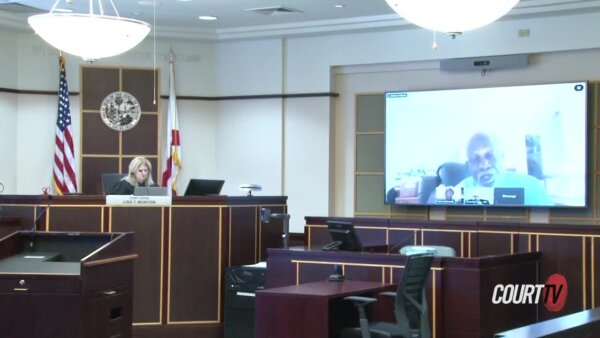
{"x": 176, "y": 18}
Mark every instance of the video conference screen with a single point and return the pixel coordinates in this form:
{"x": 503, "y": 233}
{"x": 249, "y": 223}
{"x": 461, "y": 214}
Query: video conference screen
{"x": 502, "y": 146}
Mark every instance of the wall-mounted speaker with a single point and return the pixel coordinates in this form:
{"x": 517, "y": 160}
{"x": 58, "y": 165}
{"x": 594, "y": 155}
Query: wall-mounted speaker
{"x": 485, "y": 63}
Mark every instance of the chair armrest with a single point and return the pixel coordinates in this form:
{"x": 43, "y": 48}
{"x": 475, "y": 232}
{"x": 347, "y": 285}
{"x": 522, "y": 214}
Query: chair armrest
{"x": 360, "y": 301}
{"x": 390, "y": 294}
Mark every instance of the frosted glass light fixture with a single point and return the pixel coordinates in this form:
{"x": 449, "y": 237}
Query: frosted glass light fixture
{"x": 451, "y": 16}
{"x": 90, "y": 36}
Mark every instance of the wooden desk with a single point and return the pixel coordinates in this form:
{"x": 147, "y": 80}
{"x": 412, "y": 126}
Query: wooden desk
{"x": 459, "y": 290}
{"x": 66, "y": 285}
{"x": 8, "y": 225}
{"x": 584, "y": 324}
{"x": 183, "y": 250}
{"x": 315, "y": 310}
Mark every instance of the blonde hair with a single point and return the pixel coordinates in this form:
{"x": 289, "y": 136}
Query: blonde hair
{"x": 134, "y": 165}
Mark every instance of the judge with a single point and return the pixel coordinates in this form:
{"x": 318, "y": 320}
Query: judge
{"x": 140, "y": 175}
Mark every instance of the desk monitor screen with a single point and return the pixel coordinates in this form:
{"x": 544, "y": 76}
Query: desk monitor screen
{"x": 344, "y": 237}
{"x": 151, "y": 191}
{"x": 509, "y": 196}
{"x": 199, "y": 187}
{"x": 534, "y": 137}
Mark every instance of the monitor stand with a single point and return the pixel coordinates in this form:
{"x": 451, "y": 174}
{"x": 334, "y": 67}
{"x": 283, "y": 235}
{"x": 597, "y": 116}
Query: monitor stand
{"x": 337, "y": 275}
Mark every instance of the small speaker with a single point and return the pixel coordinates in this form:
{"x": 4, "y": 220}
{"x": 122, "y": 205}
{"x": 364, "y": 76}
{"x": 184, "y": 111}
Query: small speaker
{"x": 485, "y": 63}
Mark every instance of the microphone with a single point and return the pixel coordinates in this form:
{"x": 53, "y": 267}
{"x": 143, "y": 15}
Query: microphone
{"x": 37, "y": 218}
{"x": 402, "y": 241}
{"x": 42, "y": 213}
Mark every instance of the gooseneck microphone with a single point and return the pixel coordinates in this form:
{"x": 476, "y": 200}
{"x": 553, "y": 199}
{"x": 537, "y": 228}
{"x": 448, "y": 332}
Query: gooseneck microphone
{"x": 42, "y": 213}
{"x": 403, "y": 241}
{"x": 37, "y": 218}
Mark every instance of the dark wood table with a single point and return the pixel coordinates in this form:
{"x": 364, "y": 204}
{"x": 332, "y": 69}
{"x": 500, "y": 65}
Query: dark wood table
{"x": 584, "y": 324}
{"x": 315, "y": 310}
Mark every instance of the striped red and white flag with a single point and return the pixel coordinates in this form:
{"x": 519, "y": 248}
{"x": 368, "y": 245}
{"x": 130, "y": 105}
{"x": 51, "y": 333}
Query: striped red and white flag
{"x": 65, "y": 177}
{"x": 172, "y": 152}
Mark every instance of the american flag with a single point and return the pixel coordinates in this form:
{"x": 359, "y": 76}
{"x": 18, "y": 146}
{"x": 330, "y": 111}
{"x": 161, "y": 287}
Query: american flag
{"x": 172, "y": 151}
{"x": 65, "y": 179}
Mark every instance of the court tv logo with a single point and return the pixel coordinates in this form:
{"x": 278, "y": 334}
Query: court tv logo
{"x": 553, "y": 293}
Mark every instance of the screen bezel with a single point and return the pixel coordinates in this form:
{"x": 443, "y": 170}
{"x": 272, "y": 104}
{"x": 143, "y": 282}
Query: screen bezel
{"x": 583, "y": 201}
{"x": 203, "y": 187}
{"x": 345, "y": 234}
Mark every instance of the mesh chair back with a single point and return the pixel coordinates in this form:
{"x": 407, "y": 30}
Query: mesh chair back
{"x": 410, "y": 300}
{"x": 109, "y": 180}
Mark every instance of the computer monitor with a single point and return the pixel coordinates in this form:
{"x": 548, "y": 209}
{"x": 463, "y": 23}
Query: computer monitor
{"x": 344, "y": 237}
{"x": 151, "y": 191}
{"x": 200, "y": 187}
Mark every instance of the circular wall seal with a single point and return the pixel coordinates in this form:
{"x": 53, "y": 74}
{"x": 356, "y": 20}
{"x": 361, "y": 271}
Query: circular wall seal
{"x": 120, "y": 111}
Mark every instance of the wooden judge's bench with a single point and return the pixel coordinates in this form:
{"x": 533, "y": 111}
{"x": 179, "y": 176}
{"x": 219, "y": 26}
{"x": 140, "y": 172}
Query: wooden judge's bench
{"x": 183, "y": 250}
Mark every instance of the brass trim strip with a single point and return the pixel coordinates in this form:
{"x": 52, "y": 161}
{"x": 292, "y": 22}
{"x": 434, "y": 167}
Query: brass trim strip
{"x": 433, "y": 302}
{"x": 199, "y": 206}
{"x": 111, "y": 260}
{"x": 169, "y": 269}
{"x": 257, "y": 222}
{"x": 194, "y": 322}
{"x": 468, "y": 243}
{"x": 162, "y": 260}
{"x": 583, "y": 270}
{"x": 593, "y": 270}
{"x": 448, "y": 230}
{"x": 229, "y": 239}
{"x": 146, "y": 324}
{"x": 48, "y": 218}
{"x": 512, "y": 244}
{"x": 369, "y": 133}
{"x": 252, "y": 205}
{"x": 355, "y": 264}
{"x": 220, "y": 285}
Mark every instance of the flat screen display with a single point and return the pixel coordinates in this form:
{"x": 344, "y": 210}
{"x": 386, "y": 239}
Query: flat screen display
{"x": 202, "y": 187}
{"x": 344, "y": 237}
{"x": 503, "y": 146}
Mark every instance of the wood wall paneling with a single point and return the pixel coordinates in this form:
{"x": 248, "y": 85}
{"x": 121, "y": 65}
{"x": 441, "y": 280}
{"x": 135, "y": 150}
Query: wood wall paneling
{"x": 141, "y": 84}
{"x": 244, "y": 238}
{"x": 142, "y": 140}
{"x": 99, "y": 139}
{"x": 96, "y": 84}
{"x": 82, "y": 218}
{"x": 147, "y": 223}
{"x": 195, "y": 264}
{"x": 105, "y": 144}
{"x": 91, "y": 179}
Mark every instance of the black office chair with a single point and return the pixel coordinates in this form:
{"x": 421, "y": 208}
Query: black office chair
{"x": 410, "y": 306}
{"x": 109, "y": 180}
{"x": 452, "y": 173}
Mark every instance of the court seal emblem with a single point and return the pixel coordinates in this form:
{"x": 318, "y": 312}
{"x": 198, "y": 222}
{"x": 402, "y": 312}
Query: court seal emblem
{"x": 120, "y": 111}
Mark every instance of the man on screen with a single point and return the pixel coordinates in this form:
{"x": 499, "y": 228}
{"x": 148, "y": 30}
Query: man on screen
{"x": 487, "y": 172}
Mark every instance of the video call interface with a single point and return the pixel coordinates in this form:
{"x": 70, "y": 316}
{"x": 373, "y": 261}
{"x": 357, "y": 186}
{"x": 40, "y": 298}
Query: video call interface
{"x": 500, "y": 146}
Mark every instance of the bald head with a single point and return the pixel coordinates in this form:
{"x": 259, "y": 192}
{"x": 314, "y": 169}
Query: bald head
{"x": 484, "y": 159}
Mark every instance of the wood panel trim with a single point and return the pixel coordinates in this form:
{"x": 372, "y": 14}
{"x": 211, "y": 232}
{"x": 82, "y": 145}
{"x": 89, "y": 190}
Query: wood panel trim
{"x": 190, "y": 97}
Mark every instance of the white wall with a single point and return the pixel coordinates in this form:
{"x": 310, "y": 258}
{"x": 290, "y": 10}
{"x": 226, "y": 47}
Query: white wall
{"x": 353, "y": 80}
{"x": 249, "y": 145}
{"x": 8, "y": 75}
{"x": 307, "y": 165}
{"x": 229, "y": 139}
{"x": 8, "y": 142}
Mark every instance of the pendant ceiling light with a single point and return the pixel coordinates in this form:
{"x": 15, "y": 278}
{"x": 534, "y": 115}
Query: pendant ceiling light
{"x": 90, "y": 36}
{"x": 451, "y": 16}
